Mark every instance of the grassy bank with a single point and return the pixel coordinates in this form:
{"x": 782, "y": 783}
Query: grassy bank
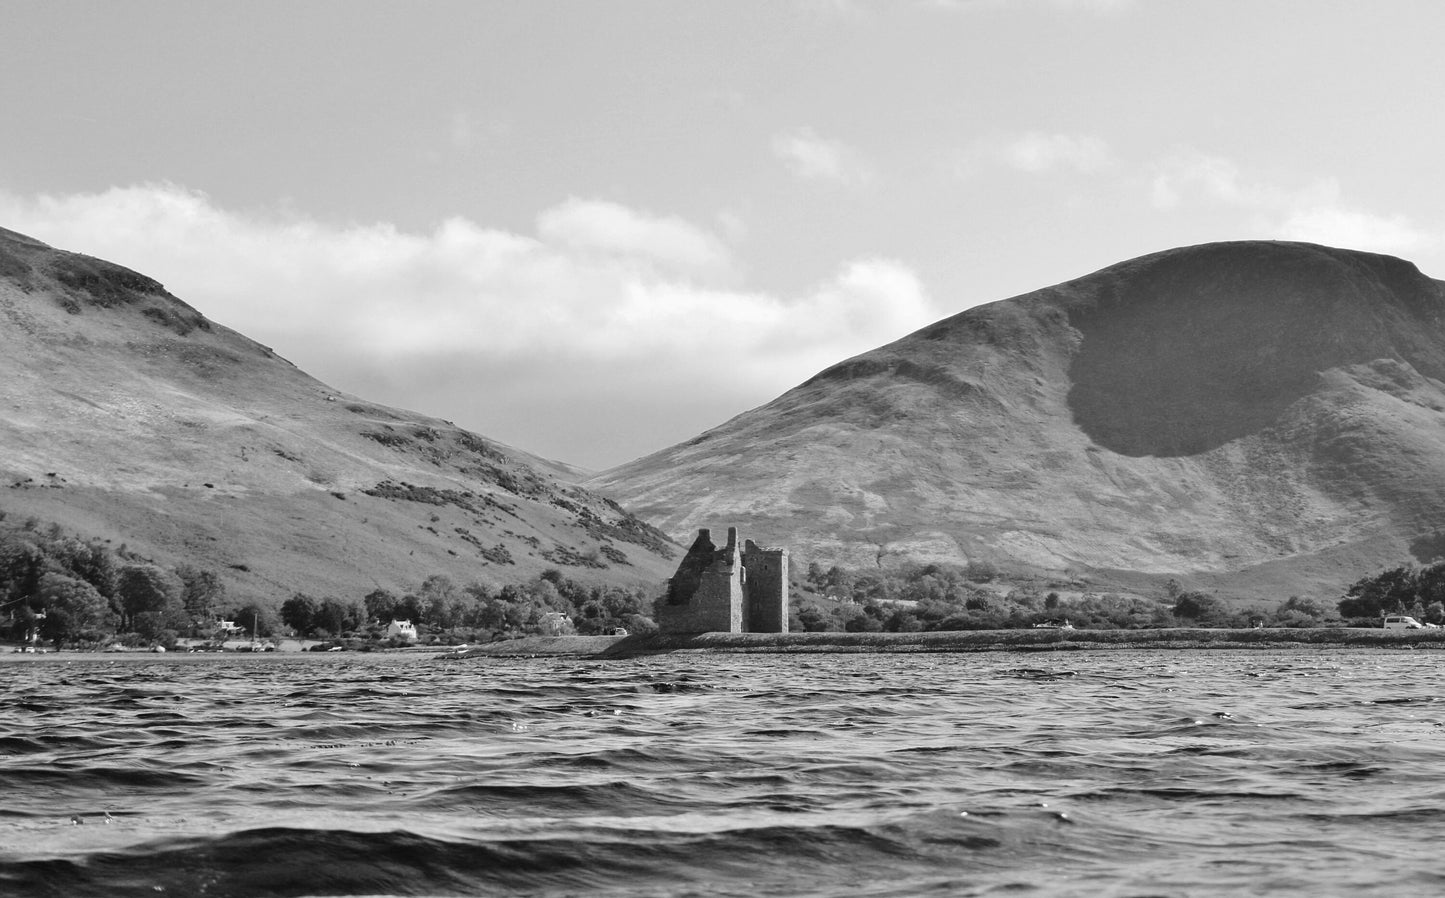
{"x": 959, "y": 641}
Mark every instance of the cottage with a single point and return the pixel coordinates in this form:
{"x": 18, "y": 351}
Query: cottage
{"x": 403, "y": 629}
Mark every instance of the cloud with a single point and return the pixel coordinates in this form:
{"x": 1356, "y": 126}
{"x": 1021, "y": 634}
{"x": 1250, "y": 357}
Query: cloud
{"x": 1098, "y": 7}
{"x": 613, "y": 228}
{"x": 1212, "y": 178}
{"x": 1037, "y": 152}
{"x": 846, "y": 9}
{"x": 1315, "y": 212}
{"x": 582, "y": 341}
{"x": 1357, "y": 229}
{"x": 815, "y": 158}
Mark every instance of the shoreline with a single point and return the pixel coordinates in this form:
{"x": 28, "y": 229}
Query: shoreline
{"x": 9, "y": 655}
{"x": 624, "y": 647}
{"x": 606, "y": 648}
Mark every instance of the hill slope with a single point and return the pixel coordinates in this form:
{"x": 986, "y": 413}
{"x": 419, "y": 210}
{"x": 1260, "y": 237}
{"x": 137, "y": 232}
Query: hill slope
{"x": 1256, "y": 416}
{"x": 126, "y": 414}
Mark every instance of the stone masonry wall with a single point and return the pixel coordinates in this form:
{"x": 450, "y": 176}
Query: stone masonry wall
{"x": 706, "y": 593}
{"x": 766, "y": 587}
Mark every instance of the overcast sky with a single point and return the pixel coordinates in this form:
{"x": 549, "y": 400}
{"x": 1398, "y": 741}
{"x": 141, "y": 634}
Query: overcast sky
{"x": 594, "y": 229}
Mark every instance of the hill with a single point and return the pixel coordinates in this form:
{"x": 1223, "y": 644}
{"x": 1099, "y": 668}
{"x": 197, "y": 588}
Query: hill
{"x": 1256, "y": 417}
{"x": 127, "y": 415}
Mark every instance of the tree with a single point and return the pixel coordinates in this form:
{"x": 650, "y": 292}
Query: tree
{"x": 91, "y": 562}
{"x": 1391, "y": 590}
{"x": 491, "y": 614}
{"x": 980, "y": 571}
{"x": 151, "y": 626}
{"x": 437, "y": 598}
{"x": 1199, "y": 607}
{"x": 863, "y": 622}
{"x": 1298, "y": 612}
{"x": 147, "y": 589}
{"x": 299, "y": 613}
{"x": 838, "y": 582}
{"x": 21, "y": 563}
{"x": 336, "y": 616}
{"x": 1430, "y": 584}
{"x": 74, "y": 610}
{"x": 203, "y": 591}
{"x": 407, "y": 608}
{"x": 811, "y": 619}
{"x": 380, "y": 605}
{"x": 255, "y": 619}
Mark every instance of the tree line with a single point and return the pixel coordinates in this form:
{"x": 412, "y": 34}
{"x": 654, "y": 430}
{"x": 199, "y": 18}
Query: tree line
{"x": 71, "y": 591}
{"x": 978, "y": 596}
{"x": 1408, "y": 589}
{"x": 552, "y": 603}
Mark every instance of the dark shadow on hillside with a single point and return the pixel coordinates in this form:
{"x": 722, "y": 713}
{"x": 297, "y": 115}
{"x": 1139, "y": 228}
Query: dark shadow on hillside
{"x": 1186, "y": 351}
{"x": 1428, "y": 548}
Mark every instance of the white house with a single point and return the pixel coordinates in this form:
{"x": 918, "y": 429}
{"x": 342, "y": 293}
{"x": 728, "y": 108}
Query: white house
{"x": 403, "y": 628}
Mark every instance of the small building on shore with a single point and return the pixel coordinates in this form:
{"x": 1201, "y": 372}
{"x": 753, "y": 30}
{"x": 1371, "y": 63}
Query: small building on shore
{"x": 557, "y": 623}
{"x": 728, "y": 589}
{"x": 401, "y": 629}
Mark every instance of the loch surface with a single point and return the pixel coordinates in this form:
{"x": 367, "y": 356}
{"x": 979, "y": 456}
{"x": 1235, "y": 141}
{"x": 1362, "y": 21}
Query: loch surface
{"x": 1300, "y": 771}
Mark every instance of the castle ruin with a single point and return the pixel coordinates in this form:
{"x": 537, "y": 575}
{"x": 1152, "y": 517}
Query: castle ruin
{"x": 727, "y": 590}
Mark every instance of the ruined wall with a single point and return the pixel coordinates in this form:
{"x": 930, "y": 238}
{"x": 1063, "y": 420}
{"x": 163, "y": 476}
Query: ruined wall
{"x": 767, "y": 588}
{"x": 706, "y": 593}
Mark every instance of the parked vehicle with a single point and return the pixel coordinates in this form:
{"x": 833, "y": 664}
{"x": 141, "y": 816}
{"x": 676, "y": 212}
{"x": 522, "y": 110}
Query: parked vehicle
{"x": 1054, "y": 625}
{"x": 1402, "y": 622}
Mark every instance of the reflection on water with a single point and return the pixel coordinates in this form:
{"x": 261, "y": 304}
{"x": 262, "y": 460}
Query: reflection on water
{"x": 1124, "y": 772}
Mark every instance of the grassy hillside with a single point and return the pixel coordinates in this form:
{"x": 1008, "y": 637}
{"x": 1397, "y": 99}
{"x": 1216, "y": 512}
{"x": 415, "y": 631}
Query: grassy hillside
{"x": 126, "y": 415}
{"x": 1260, "y": 418}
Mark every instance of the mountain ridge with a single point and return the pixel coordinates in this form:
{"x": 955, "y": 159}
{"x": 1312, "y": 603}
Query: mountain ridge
{"x": 1250, "y": 415}
{"x": 127, "y": 414}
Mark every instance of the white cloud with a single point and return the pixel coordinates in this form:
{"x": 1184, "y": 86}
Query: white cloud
{"x": 846, "y": 9}
{"x": 1356, "y": 229}
{"x": 600, "y": 319}
{"x": 1037, "y": 152}
{"x": 1212, "y": 178}
{"x": 1104, "y": 7}
{"x": 1314, "y": 212}
{"x": 816, "y": 158}
{"x": 613, "y": 228}
{"x": 1096, "y": 6}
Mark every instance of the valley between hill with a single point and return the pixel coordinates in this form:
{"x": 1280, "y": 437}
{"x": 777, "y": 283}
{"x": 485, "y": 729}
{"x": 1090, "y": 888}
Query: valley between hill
{"x": 1256, "y": 419}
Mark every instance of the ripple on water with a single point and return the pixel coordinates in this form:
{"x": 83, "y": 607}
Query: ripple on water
{"x": 1124, "y": 772}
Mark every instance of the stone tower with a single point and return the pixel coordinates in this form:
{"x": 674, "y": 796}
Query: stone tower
{"x": 727, "y": 590}
{"x": 765, "y": 589}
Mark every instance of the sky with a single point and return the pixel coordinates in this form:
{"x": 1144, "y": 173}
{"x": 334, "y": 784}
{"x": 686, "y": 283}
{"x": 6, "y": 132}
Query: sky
{"x": 593, "y": 229}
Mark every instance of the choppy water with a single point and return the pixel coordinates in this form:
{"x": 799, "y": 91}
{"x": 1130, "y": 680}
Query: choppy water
{"x": 1126, "y": 772}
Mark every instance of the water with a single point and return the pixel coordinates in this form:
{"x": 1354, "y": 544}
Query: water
{"x": 1112, "y": 772}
